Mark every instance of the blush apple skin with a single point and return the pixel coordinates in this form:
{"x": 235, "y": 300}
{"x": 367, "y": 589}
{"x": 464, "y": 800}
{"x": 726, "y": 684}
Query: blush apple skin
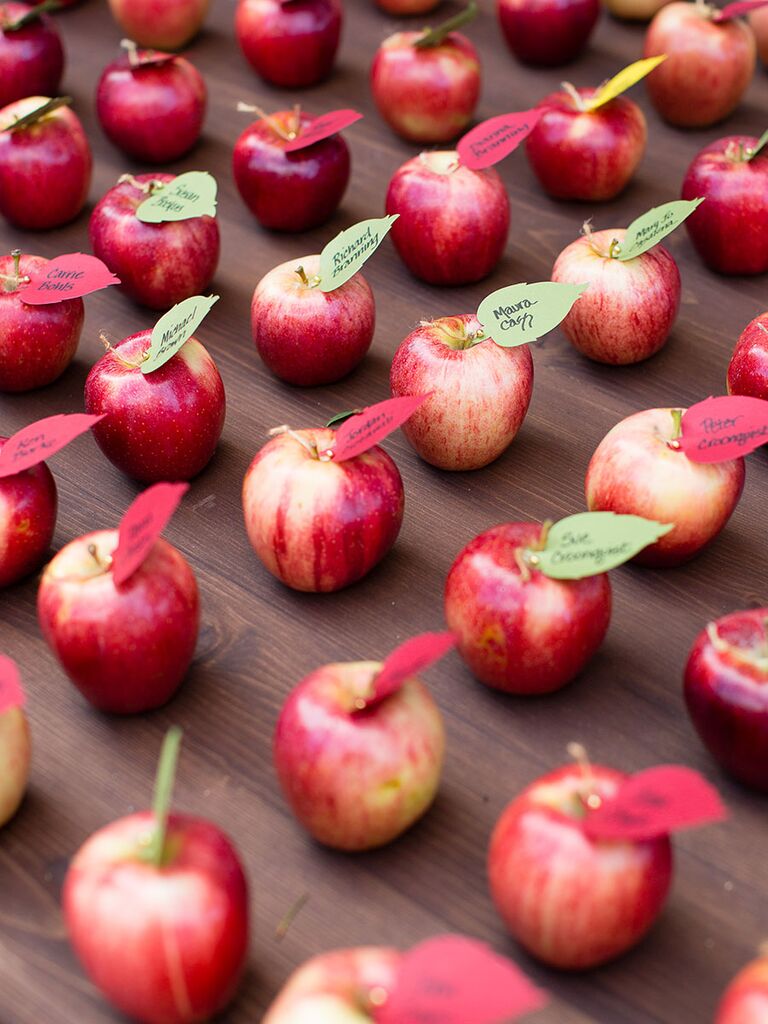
{"x": 45, "y": 168}
{"x": 28, "y": 504}
{"x": 320, "y": 526}
{"x": 164, "y": 945}
{"x": 634, "y": 471}
{"x": 480, "y": 392}
{"x": 37, "y": 343}
{"x": 629, "y": 308}
{"x": 745, "y": 1001}
{"x": 758, "y": 22}
{"x": 524, "y": 637}
{"x": 586, "y": 155}
{"x": 708, "y": 65}
{"x": 426, "y": 95}
{"x": 726, "y": 693}
{"x": 160, "y": 24}
{"x": 127, "y": 648}
{"x": 730, "y": 229}
{"x": 547, "y": 33}
{"x": 357, "y": 780}
{"x": 453, "y": 222}
{"x": 31, "y": 58}
{"x": 164, "y": 425}
{"x": 573, "y": 902}
{"x": 154, "y": 112}
{"x": 15, "y": 758}
{"x": 158, "y": 264}
{"x": 291, "y": 46}
{"x": 748, "y": 368}
{"x": 290, "y": 191}
{"x": 308, "y": 337}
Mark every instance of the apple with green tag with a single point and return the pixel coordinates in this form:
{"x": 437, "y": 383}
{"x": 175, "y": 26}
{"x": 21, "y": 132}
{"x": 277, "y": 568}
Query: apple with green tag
{"x": 120, "y": 609}
{"x": 45, "y": 163}
{"x": 291, "y": 45}
{"x": 745, "y": 1000}
{"x": 169, "y": 25}
{"x": 165, "y": 893}
{"x": 748, "y": 368}
{"x": 31, "y": 54}
{"x": 547, "y": 33}
{"x": 580, "y": 863}
{"x": 630, "y": 307}
{"x": 159, "y": 234}
{"x": 426, "y": 84}
{"x": 359, "y": 746}
{"x": 15, "y": 743}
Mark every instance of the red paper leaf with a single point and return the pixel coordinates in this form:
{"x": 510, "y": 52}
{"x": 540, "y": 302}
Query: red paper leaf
{"x": 735, "y": 10}
{"x": 42, "y": 439}
{"x": 723, "y": 428}
{"x": 408, "y": 660}
{"x": 141, "y": 525}
{"x": 497, "y": 137}
{"x": 11, "y": 690}
{"x": 655, "y": 802}
{"x": 67, "y": 277}
{"x": 322, "y": 127}
{"x": 455, "y": 980}
{"x": 359, "y": 433}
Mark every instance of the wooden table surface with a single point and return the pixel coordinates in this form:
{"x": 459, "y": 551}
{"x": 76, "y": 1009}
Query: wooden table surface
{"x": 258, "y": 638}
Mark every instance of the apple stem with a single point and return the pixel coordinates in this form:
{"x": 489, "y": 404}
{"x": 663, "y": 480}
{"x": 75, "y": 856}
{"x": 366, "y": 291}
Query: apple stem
{"x": 579, "y": 753}
{"x": 166, "y": 775}
{"x": 133, "y": 51}
{"x": 309, "y": 282}
{"x": 296, "y": 121}
{"x": 247, "y": 108}
{"x": 285, "y": 429}
{"x": 290, "y": 916}
{"x": 677, "y": 428}
{"x": 522, "y": 565}
{"x": 435, "y": 36}
{"x": 573, "y": 92}
{"x": 12, "y": 281}
{"x": 104, "y": 566}
{"x": 148, "y": 187}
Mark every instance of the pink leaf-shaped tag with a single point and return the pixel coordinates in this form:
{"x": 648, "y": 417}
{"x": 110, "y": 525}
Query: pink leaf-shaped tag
{"x": 322, "y": 127}
{"x": 42, "y": 439}
{"x": 67, "y": 277}
{"x": 142, "y": 524}
{"x": 11, "y": 691}
{"x": 497, "y": 137}
{"x": 723, "y": 428}
{"x": 361, "y": 432}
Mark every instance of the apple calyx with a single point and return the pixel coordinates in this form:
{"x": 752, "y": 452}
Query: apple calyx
{"x": 154, "y": 850}
{"x": 527, "y": 558}
{"x": 6, "y": 25}
{"x": 436, "y": 36}
{"x": 754, "y": 658}
{"x": 677, "y": 428}
{"x": 308, "y": 282}
{"x": 12, "y": 282}
{"x": 128, "y": 363}
{"x": 289, "y": 134}
{"x": 36, "y": 115}
{"x": 454, "y": 334}
{"x": 613, "y": 250}
{"x": 310, "y": 446}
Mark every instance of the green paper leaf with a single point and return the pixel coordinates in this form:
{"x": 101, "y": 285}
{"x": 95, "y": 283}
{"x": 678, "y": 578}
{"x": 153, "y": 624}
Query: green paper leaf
{"x": 345, "y": 255}
{"x": 192, "y": 194}
{"x": 175, "y": 328}
{"x": 648, "y": 230}
{"x": 340, "y": 417}
{"x": 594, "y": 542}
{"x": 39, "y": 112}
{"x": 760, "y": 145}
{"x": 32, "y": 16}
{"x": 435, "y": 36}
{"x": 521, "y": 313}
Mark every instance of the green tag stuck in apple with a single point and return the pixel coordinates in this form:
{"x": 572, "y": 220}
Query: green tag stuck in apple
{"x": 593, "y": 542}
{"x": 175, "y": 328}
{"x": 189, "y": 195}
{"x": 345, "y": 255}
{"x": 645, "y": 232}
{"x": 521, "y": 313}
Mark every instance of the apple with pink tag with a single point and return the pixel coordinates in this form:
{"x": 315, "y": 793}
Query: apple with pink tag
{"x": 31, "y": 52}
{"x": 15, "y": 744}
{"x": 290, "y": 45}
{"x": 120, "y": 609}
{"x": 358, "y": 748}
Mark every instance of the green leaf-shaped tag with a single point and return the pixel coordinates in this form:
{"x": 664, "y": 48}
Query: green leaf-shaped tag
{"x": 643, "y": 233}
{"x": 521, "y": 313}
{"x": 175, "y": 328}
{"x": 37, "y": 113}
{"x": 593, "y": 542}
{"x": 189, "y": 195}
{"x": 759, "y": 147}
{"x": 345, "y": 255}
{"x": 340, "y": 417}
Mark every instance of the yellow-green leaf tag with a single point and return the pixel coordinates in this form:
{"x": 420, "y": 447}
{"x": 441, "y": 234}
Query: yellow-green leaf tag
{"x": 345, "y": 255}
{"x": 643, "y": 233}
{"x": 175, "y": 328}
{"x": 189, "y": 195}
{"x": 521, "y": 313}
{"x": 594, "y": 542}
{"x": 625, "y": 79}
{"x": 758, "y": 147}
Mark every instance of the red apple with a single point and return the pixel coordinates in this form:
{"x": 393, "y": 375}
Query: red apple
{"x": 37, "y": 343}
{"x": 453, "y": 222}
{"x": 758, "y": 21}
{"x": 358, "y": 779}
{"x": 748, "y": 368}
{"x": 629, "y": 308}
{"x": 581, "y": 154}
{"x": 479, "y": 392}
{"x": 318, "y": 525}
{"x": 730, "y": 230}
{"x": 708, "y": 67}
{"x": 15, "y": 757}
{"x": 31, "y": 57}
{"x": 547, "y": 32}
{"x": 426, "y": 94}
{"x": 28, "y": 505}
{"x": 152, "y": 112}
{"x": 406, "y": 7}
{"x": 163, "y": 425}
{"x": 160, "y": 24}
{"x": 637, "y": 470}
{"x": 289, "y": 191}
{"x": 158, "y": 264}
{"x": 45, "y": 167}
{"x": 291, "y": 45}
{"x": 569, "y": 900}
{"x": 745, "y": 1001}
{"x": 127, "y": 648}
{"x": 726, "y": 692}
{"x": 518, "y": 630}
{"x": 304, "y": 335}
